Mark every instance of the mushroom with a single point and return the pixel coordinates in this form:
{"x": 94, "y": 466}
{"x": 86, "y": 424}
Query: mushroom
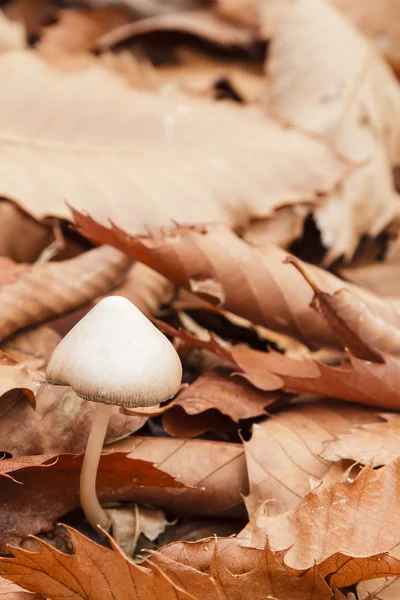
{"x": 114, "y": 356}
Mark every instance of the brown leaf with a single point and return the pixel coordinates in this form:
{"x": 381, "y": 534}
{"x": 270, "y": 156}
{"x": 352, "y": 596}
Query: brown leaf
{"x": 90, "y": 572}
{"x": 357, "y": 518}
{"x": 49, "y": 487}
{"x": 32, "y": 347}
{"x": 60, "y": 423}
{"x": 69, "y": 284}
{"x": 379, "y": 589}
{"x": 77, "y": 30}
{"x": 327, "y": 80}
{"x": 11, "y": 591}
{"x": 205, "y": 24}
{"x": 188, "y": 137}
{"x": 375, "y": 443}
{"x": 251, "y": 282}
{"x": 19, "y": 379}
{"x": 36, "y": 490}
{"x": 266, "y": 577}
{"x": 284, "y": 453}
{"x": 215, "y": 390}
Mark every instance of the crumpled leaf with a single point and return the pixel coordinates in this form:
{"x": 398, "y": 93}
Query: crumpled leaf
{"x": 36, "y": 490}
{"x": 69, "y": 284}
{"x": 215, "y": 264}
{"x": 17, "y": 378}
{"x": 108, "y": 170}
{"x": 283, "y": 455}
{"x": 375, "y": 443}
{"x": 354, "y": 518}
{"x": 205, "y": 24}
{"x": 90, "y": 572}
{"x": 216, "y": 470}
{"x": 265, "y": 577}
{"x": 60, "y": 422}
{"x": 193, "y": 411}
{"x": 327, "y": 80}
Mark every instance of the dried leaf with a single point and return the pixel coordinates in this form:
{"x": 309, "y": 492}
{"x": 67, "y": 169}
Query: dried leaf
{"x": 204, "y": 24}
{"x": 375, "y": 443}
{"x": 215, "y": 390}
{"x": 69, "y": 284}
{"x": 19, "y": 379}
{"x": 284, "y": 453}
{"x": 195, "y": 142}
{"x": 32, "y": 347}
{"x": 50, "y": 483}
{"x": 90, "y": 572}
{"x": 251, "y": 282}
{"x": 379, "y": 589}
{"x": 328, "y": 81}
{"x": 11, "y": 591}
{"x": 356, "y": 518}
{"x": 266, "y": 577}
{"x": 77, "y": 30}
{"x": 60, "y": 423}
{"x": 36, "y": 490}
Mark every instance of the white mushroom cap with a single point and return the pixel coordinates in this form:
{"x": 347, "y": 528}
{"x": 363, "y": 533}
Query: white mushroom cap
{"x": 115, "y": 355}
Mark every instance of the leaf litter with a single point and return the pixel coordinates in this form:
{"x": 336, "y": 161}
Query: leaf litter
{"x": 198, "y": 169}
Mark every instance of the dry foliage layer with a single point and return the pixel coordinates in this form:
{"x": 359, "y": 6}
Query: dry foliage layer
{"x": 232, "y": 169}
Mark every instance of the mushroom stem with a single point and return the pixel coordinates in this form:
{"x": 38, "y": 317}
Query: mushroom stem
{"x": 95, "y": 514}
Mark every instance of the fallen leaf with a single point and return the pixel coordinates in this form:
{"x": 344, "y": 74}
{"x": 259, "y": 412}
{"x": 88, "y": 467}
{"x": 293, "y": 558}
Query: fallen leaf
{"x": 77, "y": 30}
{"x": 379, "y": 589}
{"x": 327, "y": 80}
{"x": 17, "y": 378}
{"x": 69, "y": 284}
{"x": 11, "y": 591}
{"x": 251, "y": 282}
{"x": 204, "y": 24}
{"x": 90, "y": 572}
{"x": 36, "y": 490}
{"x": 374, "y": 443}
{"x": 356, "y": 518}
{"x": 264, "y": 577}
{"x": 32, "y": 347}
{"x": 12, "y": 35}
{"x": 379, "y": 21}
{"x": 60, "y": 423}
{"x": 283, "y": 455}
{"x": 195, "y": 141}
{"x": 214, "y": 391}
{"x": 49, "y": 489}
{"x": 128, "y": 523}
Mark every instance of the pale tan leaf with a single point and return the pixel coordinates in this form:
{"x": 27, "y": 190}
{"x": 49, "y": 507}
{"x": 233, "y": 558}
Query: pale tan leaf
{"x": 12, "y": 34}
{"x": 60, "y": 422}
{"x": 375, "y": 443}
{"x": 32, "y": 347}
{"x": 283, "y": 454}
{"x": 12, "y": 591}
{"x": 68, "y": 285}
{"x": 379, "y": 589}
{"x": 204, "y": 24}
{"x": 327, "y": 80}
{"x": 214, "y": 162}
